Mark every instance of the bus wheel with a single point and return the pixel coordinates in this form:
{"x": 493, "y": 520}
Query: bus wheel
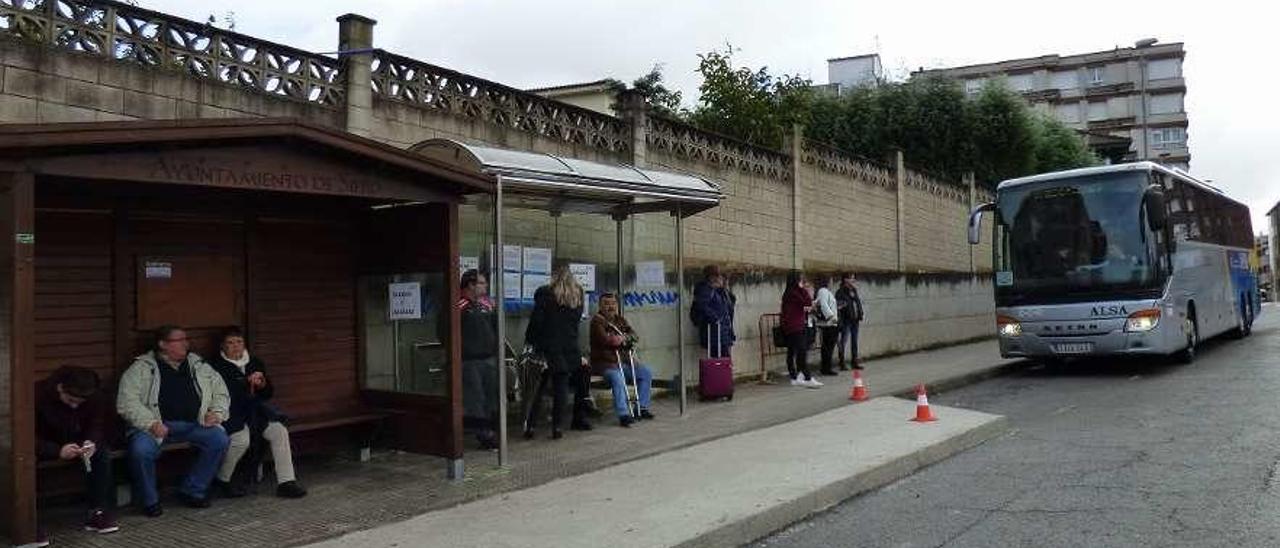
{"x": 1188, "y": 354}
{"x": 1244, "y": 323}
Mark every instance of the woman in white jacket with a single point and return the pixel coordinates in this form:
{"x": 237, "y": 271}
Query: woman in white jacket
{"x": 828, "y": 323}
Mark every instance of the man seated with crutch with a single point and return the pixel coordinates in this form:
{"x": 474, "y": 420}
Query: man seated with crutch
{"x": 613, "y": 357}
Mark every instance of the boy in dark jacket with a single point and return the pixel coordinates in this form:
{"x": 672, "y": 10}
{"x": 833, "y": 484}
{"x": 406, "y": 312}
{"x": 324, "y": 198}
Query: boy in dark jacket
{"x": 71, "y": 423}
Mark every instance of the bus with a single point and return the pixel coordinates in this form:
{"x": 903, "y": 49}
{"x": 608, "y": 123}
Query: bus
{"x": 1128, "y": 259}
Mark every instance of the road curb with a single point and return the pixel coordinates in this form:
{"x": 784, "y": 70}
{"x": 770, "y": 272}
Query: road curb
{"x": 959, "y": 381}
{"x": 785, "y": 514}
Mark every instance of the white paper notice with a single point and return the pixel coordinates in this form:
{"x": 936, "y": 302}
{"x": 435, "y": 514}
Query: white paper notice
{"x": 159, "y": 270}
{"x": 406, "y": 301}
{"x": 585, "y": 274}
{"x": 531, "y": 284}
{"x": 511, "y": 258}
{"x": 468, "y": 263}
{"x": 651, "y": 274}
{"x": 511, "y": 285}
{"x": 537, "y": 260}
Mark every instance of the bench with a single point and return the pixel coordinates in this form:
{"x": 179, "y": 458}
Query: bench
{"x": 372, "y": 419}
{"x": 369, "y": 421}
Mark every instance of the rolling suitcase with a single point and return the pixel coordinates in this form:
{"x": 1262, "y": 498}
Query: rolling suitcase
{"x": 715, "y": 375}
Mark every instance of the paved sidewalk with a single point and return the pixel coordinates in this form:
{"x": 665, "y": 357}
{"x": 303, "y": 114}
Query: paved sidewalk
{"x": 349, "y": 496}
{"x": 720, "y": 493}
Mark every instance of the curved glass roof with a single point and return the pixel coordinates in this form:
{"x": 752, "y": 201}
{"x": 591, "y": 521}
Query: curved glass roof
{"x": 591, "y": 185}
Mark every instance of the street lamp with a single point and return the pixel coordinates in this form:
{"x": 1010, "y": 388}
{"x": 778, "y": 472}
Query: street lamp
{"x": 1141, "y": 45}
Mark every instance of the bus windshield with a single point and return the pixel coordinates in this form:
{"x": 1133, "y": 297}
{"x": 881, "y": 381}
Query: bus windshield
{"x": 1070, "y": 239}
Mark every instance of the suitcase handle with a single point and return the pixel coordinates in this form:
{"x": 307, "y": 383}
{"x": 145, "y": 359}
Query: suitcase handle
{"x": 719, "y": 336}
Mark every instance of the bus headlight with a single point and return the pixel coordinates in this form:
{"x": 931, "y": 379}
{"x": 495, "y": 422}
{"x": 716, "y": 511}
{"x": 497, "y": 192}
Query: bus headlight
{"x": 1142, "y": 320}
{"x": 1008, "y": 327}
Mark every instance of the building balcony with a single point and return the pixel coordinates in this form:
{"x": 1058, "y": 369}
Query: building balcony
{"x": 1166, "y": 85}
{"x": 1042, "y": 95}
{"x": 1112, "y": 123}
{"x": 1167, "y": 119}
{"x": 1122, "y": 88}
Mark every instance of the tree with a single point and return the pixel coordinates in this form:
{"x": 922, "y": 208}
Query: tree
{"x": 1059, "y": 147}
{"x": 929, "y": 120}
{"x": 747, "y": 104}
{"x": 1004, "y": 134}
{"x": 994, "y": 134}
{"x": 656, "y": 94}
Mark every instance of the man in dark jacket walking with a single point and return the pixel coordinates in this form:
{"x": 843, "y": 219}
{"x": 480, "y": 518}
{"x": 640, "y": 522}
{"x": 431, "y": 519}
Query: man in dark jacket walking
{"x": 851, "y": 313}
{"x": 71, "y": 425}
{"x": 712, "y": 313}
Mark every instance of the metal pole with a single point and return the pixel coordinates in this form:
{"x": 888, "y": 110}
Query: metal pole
{"x": 395, "y": 354}
{"x": 497, "y": 271}
{"x": 1142, "y": 97}
{"x": 680, "y": 308}
{"x": 619, "y": 219}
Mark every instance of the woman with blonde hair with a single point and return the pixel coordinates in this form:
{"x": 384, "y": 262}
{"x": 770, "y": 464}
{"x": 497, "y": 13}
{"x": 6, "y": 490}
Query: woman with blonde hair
{"x": 553, "y": 331}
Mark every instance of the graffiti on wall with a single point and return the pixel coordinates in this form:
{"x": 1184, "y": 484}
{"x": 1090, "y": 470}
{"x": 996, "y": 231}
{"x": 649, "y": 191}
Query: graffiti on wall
{"x": 653, "y": 298}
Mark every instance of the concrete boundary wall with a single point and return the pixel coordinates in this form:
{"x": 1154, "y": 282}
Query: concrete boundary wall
{"x": 809, "y": 206}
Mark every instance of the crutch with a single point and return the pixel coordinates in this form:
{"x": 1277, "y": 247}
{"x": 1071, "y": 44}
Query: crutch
{"x": 633, "y": 393}
{"x": 633, "y": 399}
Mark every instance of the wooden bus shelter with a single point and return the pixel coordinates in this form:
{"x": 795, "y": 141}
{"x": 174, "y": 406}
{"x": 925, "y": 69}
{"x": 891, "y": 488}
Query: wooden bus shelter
{"x": 335, "y": 253}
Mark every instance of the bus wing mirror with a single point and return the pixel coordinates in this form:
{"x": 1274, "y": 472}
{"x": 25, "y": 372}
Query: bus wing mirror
{"x": 975, "y": 222}
{"x": 1157, "y": 214}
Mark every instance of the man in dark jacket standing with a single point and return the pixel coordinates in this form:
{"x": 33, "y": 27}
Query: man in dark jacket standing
{"x": 478, "y": 318}
{"x": 71, "y": 425}
{"x": 712, "y": 308}
{"x": 851, "y": 313}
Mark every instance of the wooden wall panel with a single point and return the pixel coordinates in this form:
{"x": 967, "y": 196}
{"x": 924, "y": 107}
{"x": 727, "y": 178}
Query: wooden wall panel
{"x": 73, "y": 306}
{"x": 302, "y": 288}
{"x": 152, "y": 233}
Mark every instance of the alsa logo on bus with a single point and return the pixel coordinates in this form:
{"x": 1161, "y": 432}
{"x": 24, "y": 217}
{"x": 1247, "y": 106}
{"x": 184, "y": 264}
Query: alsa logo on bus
{"x": 1112, "y": 310}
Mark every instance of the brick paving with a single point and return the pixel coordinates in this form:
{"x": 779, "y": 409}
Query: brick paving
{"x": 347, "y": 495}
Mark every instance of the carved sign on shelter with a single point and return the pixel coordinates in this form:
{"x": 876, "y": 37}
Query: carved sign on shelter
{"x": 267, "y": 168}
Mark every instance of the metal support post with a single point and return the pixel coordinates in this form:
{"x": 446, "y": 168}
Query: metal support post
{"x": 497, "y": 272}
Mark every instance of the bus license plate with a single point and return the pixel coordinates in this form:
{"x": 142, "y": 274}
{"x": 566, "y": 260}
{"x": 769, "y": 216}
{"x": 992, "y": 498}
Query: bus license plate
{"x": 1073, "y": 348}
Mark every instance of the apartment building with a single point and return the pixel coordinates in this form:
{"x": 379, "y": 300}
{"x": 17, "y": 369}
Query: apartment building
{"x": 1128, "y": 102}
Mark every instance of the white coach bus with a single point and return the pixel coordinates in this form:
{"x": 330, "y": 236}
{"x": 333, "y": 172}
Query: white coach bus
{"x": 1126, "y": 259}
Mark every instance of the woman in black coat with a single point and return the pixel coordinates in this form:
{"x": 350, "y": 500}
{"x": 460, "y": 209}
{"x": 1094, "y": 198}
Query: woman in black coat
{"x": 553, "y": 332}
{"x": 251, "y": 417}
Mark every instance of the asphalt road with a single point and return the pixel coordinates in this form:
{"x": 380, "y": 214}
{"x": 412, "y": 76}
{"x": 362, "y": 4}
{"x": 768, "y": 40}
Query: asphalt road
{"x": 1109, "y": 453}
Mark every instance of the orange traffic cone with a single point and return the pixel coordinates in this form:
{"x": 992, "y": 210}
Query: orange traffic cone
{"x": 859, "y": 392}
{"x": 923, "y": 414}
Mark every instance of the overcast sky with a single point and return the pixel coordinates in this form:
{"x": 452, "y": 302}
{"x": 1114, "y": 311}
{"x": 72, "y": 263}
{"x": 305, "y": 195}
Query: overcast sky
{"x": 1230, "y": 74}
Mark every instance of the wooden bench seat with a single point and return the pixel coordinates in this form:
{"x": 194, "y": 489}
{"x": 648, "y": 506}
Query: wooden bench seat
{"x": 56, "y": 475}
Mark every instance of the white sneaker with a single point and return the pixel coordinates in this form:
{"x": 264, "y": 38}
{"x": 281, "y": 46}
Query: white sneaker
{"x": 813, "y": 383}
{"x": 799, "y": 381}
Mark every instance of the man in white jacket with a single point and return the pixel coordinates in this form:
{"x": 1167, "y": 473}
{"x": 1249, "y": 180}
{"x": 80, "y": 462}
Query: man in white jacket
{"x": 828, "y": 323}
